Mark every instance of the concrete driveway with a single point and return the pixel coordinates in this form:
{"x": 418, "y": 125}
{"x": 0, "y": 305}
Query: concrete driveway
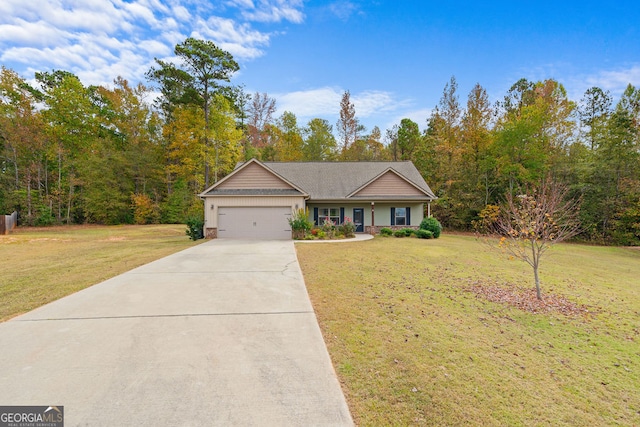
{"x": 219, "y": 334}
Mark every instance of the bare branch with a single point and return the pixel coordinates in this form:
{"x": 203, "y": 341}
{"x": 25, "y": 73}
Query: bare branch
{"x": 529, "y": 223}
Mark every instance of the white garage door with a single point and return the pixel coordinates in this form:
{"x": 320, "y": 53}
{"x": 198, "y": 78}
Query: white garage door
{"x": 263, "y": 223}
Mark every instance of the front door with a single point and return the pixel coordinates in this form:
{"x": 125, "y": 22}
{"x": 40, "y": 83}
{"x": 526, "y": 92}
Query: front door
{"x": 358, "y": 219}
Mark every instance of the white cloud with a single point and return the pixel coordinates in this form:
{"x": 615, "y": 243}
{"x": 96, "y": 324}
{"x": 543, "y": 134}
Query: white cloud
{"x": 137, "y": 11}
{"x": 372, "y": 107}
{"x": 419, "y": 116}
{"x": 29, "y": 11}
{"x": 96, "y": 17}
{"x": 155, "y": 48}
{"x": 374, "y": 102}
{"x": 311, "y": 103}
{"x": 93, "y": 38}
{"x": 615, "y": 81}
{"x": 31, "y": 33}
{"x": 181, "y": 13}
{"x": 343, "y": 9}
{"x": 273, "y": 10}
{"x": 245, "y": 4}
{"x": 239, "y": 39}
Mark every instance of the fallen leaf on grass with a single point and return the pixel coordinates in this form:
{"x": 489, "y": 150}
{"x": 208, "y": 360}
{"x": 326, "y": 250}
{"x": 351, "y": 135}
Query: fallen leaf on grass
{"x": 526, "y": 300}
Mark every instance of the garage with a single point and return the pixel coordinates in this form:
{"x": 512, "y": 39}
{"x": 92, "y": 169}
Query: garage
{"x": 264, "y": 223}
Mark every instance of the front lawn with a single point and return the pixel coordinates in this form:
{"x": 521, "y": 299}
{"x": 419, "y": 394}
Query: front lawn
{"x": 414, "y": 344}
{"x": 40, "y": 265}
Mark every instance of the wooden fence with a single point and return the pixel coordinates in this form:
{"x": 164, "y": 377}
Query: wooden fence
{"x": 8, "y": 222}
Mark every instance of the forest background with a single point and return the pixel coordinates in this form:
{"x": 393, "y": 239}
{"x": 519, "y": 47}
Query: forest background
{"x": 79, "y": 154}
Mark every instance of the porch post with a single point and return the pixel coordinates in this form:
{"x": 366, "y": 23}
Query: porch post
{"x": 373, "y": 215}
{"x": 429, "y": 208}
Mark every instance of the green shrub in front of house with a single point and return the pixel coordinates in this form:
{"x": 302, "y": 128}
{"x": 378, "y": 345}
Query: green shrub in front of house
{"x": 300, "y": 224}
{"x": 408, "y": 232}
{"x": 195, "y": 228}
{"x": 400, "y": 233}
{"x": 386, "y": 231}
{"x": 423, "y": 234}
{"x": 433, "y": 225}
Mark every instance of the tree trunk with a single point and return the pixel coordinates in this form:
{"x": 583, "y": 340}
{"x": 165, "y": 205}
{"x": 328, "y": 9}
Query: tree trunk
{"x": 59, "y": 186}
{"x": 69, "y": 199}
{"x": 207, "y": 168}
{"x": 537, "y": 278}
{"x": 29, "y": 212}
{"x": 15, "y": 165}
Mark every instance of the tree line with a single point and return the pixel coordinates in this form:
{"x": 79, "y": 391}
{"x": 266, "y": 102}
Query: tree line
{"x": 71, "y": 153}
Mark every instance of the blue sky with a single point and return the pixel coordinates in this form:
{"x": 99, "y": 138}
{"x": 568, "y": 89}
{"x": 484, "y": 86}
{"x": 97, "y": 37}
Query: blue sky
{"x": 394, "y": 57}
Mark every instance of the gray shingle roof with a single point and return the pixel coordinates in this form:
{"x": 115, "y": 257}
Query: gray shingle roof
{"x": 337, "y": 180}
{"x": 252, "y": 192}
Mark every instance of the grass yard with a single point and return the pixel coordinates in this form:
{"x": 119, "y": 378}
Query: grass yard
{"x": 41, "y": 265}
{"x": 412, "y": 345}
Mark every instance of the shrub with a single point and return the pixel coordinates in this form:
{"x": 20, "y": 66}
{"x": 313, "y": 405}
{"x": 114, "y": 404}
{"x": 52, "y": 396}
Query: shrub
{"x": 433, "y": 225}
{"x": 423, "y": 234}
{"x": 45, "y": 217}
{"x": 300, "y": 224}
{"x": 400, "y": 233}
{"x": 348, "y": 228}
{"x": 328, "y": 227}
{"x": 145, "y": 210}
{"x": 194, "y": 228}
{"x": 385, "y": 231}
{"x": 408, "y": 231}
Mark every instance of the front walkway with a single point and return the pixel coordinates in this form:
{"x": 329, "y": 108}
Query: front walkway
{"x": 222, "y": 334}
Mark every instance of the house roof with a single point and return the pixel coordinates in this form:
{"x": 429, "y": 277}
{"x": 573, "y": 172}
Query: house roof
{"x": 340, "y": 180}
{"x": 335, "y": 180}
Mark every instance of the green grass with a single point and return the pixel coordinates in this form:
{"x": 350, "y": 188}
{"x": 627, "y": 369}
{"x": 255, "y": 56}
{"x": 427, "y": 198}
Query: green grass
{"x": 41, "y": 265}
{"x": 412, "y": 346}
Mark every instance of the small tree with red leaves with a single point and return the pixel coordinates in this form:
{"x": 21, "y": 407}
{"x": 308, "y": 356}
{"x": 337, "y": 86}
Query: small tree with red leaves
{"x": 528, "y": 224}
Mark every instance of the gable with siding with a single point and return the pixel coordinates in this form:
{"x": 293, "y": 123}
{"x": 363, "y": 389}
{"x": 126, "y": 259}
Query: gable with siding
{"x": 255, "y": 177}
{"x": 389, "y": 184}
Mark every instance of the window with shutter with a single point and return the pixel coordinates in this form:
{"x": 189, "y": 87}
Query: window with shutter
{"x": 400, "y": 217}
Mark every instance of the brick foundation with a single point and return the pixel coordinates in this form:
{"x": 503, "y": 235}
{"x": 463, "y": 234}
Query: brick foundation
{"x": 210, "y": 233}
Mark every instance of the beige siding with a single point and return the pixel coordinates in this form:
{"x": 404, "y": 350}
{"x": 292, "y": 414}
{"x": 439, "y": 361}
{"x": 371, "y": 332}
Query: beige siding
{"x": 211, "y": 215}
{"x": 389, "y": 184}
{"x": 254, "y": 176}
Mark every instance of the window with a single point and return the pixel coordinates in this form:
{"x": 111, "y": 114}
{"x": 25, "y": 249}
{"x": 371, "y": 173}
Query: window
{"x": 401, "y": 216}
{"x": 333, "y": 214}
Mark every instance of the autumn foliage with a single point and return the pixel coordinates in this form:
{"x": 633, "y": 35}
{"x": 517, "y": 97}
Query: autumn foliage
{"x": 529, "y": 223}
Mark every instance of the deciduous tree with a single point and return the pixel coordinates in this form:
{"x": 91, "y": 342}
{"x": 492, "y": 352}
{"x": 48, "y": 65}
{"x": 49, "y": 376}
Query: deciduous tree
{"x": 260, "y": 115}
{"x": 290, "y": 144}
{"x": 23, "y": 168}
{"x": 409, "y": 139}
{"x": 319, "y": 142}
{"x": 534, "y": 220}
{"x": 348, "y": 127}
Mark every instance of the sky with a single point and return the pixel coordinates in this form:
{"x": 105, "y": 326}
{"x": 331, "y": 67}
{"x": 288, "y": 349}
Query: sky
{"x": 394, "y": 57}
